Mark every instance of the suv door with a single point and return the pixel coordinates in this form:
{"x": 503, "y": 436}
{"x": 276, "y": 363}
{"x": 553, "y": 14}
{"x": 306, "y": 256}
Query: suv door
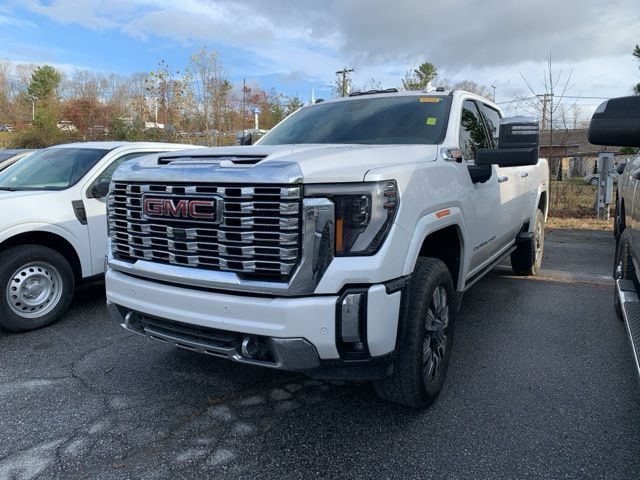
{"x": 489, "y": 229}
{"x": 96, "y": 211}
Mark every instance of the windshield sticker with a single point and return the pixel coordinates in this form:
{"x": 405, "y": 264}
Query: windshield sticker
{"x": 429, "y": 100}
{"x": 431, "y": 121}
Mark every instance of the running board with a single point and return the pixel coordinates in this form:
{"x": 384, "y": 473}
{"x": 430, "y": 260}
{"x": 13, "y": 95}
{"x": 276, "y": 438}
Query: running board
{"x": 630, "y": 303}
{"x": 476, "y": 277}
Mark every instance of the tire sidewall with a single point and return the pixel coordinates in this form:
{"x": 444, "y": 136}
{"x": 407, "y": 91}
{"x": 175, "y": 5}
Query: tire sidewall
{"x": 537, "y": 260}
{"x": 422, "y": 298}
{"x": 13, "y": 259}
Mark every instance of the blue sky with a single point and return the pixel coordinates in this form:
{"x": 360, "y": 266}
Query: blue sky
{"x": 32, "y": 37}
{"x": 297, "y": 45}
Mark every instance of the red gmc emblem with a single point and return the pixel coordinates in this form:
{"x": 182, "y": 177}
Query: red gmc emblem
{"x": 183, "y": 208}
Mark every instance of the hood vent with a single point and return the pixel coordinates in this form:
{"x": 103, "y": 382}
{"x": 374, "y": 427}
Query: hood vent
{"x": 239, "y": 160}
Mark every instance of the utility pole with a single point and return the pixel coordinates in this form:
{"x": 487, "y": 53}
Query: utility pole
{"x": 344, "y": 73}
{"x": 244, "y": 101}
{"x": 545, "y": 102}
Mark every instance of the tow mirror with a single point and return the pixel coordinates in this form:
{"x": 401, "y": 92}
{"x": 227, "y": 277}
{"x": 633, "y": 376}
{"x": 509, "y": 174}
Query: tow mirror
{"x": 518, "y": 144}
{"x": 616, "y": 122}
{"x": 100, "y": 189}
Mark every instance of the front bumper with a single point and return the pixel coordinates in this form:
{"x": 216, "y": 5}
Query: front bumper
{"x": 300, "y": 333}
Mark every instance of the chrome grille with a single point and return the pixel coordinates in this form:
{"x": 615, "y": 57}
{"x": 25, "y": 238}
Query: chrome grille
{"x": 259, "y": 233}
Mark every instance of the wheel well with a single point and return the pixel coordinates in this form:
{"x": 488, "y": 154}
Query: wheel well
{"x": 445, "y": 245}
{"x": 50, "y": 240}
{"x": 542, "y": 204}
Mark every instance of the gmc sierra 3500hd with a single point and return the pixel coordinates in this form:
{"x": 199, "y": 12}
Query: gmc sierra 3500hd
{"x": 617, "y": 122}
{"x": 339, "y": 245}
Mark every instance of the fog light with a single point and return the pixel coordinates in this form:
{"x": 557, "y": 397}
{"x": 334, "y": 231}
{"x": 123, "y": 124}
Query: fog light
{"x": 351, "y": 318}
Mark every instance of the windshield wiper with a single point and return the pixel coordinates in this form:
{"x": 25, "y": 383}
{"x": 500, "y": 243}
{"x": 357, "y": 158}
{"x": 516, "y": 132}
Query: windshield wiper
{"x": 9, "y": 189}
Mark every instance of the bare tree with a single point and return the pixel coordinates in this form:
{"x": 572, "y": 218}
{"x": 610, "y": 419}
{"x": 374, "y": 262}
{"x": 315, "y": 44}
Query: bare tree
{"x": 549, "y": 104}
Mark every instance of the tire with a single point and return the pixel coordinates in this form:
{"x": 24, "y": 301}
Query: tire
{"x": 594, "y": 182}
{"x": 623, "y": 271}
{"x": 36, "y": 287}
{"x": 423, "y": 351}
{"x": 526, "y": 259}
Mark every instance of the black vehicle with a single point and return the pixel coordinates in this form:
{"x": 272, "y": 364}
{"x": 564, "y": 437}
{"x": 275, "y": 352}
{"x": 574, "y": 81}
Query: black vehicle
{"x": 617, "y": 122}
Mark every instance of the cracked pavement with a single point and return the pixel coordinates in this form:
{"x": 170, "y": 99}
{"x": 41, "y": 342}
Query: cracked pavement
{"x": 540, "y": 385}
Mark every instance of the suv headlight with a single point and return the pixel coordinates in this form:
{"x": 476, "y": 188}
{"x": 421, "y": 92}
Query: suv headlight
{"x": 364, "y": 213}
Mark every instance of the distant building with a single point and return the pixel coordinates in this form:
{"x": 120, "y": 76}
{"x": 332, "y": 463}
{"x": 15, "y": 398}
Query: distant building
{"x": 572, "y": 147}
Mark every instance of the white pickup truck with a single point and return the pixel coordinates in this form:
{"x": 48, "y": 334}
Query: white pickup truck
{"x": 340, "y": 245}
{"x": 53, "y": 226}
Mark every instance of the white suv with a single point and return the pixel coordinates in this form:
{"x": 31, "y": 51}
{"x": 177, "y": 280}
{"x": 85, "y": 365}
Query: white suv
{"x": 53, "y": 228}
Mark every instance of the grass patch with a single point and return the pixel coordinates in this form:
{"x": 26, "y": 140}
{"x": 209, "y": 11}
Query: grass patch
{"x": 571, "y": 200}
{"x": 580, "y": 223}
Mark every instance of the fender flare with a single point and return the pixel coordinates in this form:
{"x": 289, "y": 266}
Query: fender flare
{"x": 42, "y": 227}
{"x": 430, "y": 224}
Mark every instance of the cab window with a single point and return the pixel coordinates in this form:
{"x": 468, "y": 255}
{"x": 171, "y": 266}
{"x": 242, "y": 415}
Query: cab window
{"x": 492, "y": 119}
{"x": 473, "y": 135}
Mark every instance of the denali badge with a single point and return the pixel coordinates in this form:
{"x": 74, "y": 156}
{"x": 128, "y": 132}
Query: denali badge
{"x": 182, "y": 208}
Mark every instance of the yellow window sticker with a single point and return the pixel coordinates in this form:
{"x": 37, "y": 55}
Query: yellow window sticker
{"x": 429, "y": 100}
{"x": 431, "y": 121}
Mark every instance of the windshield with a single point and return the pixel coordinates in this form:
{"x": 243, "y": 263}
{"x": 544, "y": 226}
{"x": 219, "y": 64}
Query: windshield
{"x": 50, "y": 169}
{"x": 375, "y": 120}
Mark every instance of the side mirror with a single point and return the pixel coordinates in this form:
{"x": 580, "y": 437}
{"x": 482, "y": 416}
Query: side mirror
{"x": 518, "y": 144}
{"x": 100, "y": 189}
{"x": 616, "y": 122}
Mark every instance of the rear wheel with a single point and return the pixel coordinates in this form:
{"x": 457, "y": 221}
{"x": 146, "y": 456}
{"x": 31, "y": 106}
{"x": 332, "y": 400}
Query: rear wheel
{"x": 37, "y": 286}
{"x": 425, "y": 338}
{"x": 526, "y": 259}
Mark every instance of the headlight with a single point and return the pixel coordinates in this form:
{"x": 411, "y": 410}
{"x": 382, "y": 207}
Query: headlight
{"x": 364, "y": 213}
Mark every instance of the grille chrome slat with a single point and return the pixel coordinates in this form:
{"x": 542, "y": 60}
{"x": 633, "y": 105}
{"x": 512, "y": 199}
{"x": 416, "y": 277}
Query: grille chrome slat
{"x": 260, "y": 232}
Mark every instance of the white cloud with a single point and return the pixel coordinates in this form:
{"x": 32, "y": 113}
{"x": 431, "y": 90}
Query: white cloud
{"x": 8, "y": 20}
{"x": 489, "y": 41}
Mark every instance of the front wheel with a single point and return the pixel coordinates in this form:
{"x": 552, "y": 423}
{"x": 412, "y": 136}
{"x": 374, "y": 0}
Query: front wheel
{"x": 425, "y": 338}
{"x": 37, "y": 286}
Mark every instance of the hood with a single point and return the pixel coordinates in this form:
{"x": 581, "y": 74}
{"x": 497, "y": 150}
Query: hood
{"x": 274, "y": 163}
{"x": 37, "y": 207}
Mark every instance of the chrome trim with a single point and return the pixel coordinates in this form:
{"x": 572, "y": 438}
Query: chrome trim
{"x": 318, "y": 245}
{"x": 271, "y": 172}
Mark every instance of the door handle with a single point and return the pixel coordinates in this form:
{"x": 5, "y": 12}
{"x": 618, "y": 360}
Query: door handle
{"x": 524, "y": 174}
{"x": 503, "y": 179}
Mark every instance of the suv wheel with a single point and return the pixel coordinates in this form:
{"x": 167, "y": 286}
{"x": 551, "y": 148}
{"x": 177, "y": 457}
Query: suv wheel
{"x": 425, "y": 338}
{"x": 36, "y": 286}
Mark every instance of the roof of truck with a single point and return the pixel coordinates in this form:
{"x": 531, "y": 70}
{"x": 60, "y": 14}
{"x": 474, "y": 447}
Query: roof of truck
{"x": 114, "y": 145}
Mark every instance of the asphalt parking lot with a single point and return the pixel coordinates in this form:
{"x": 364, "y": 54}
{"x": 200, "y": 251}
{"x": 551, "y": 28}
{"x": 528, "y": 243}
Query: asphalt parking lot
{"x": 541, "y": 385}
